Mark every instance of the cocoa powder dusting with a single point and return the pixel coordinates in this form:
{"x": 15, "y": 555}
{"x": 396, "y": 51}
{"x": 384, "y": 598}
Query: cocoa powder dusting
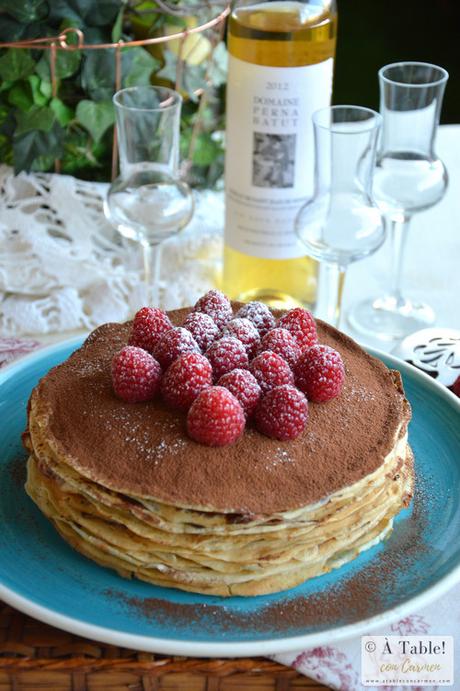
{"x": 18, "y": 470}
{"x": 143, "y": 449}
{"x": 364, "y": 593}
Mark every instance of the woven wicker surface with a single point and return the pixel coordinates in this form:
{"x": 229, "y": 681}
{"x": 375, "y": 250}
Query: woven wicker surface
{"x": 35, "y": 656}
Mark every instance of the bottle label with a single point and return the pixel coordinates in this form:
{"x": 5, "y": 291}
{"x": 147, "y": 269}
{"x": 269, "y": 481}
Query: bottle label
{"x": 270, "y": 154}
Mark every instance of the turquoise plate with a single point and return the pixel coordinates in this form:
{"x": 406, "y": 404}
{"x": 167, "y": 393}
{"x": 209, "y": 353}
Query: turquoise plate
{"x": 42, "y": 576}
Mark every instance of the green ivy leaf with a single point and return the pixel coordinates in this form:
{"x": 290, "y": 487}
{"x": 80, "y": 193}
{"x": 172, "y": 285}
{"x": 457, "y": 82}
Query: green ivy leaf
{"x": 63, "y": 113}
{"x": 95, "y": 117}
{"x": 98, "y": 74}
{"x": 67, "y": 63}
{"x": 194, "y": 80}
{"x": 25, "y": 11}
{"x": 85, "y": 12}
{"x": 37, "y": 118}
{"x": 205, "y": 150}
{"x": 35, "y": 143}
{"x": 138, "y": 66}
{"x": 118, "y": 26}
{"x": 169, "y": 69}
{"x": 20, "y": 95}
{"x": 5, "y": 86}
{"x": 39, "y": 98}
{"x": 42, "y": 163}
{"x": 16, "y": 64}
{"x": 80, "y": 153}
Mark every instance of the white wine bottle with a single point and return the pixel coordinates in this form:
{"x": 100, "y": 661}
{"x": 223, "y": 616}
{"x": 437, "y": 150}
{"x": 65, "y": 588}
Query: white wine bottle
{"x": 280, "y": 72}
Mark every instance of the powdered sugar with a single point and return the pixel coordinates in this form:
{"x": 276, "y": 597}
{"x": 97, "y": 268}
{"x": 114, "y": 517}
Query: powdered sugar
{"x": 203, "y": 329}
{"x": 245, "y": 331}
{"x": 259, "y": 314}
{"x": 216, "y": 305}
{"x": 227, "y": 354}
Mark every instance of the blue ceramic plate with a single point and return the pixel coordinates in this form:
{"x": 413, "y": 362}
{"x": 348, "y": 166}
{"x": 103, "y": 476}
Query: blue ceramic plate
{"x": 42, "y": 576}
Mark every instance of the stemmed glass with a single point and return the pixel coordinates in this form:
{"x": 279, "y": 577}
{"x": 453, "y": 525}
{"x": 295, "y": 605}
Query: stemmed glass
{"x": 341, "y": 223}
{"x": 148, "y": 202}
{"x": 409, "y": 178}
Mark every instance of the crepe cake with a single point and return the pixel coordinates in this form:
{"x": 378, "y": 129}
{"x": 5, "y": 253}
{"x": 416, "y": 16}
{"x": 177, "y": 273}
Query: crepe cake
{"x": 126, "y": 486}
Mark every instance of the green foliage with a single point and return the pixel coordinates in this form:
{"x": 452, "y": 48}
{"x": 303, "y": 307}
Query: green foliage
{"x": 16, "y": 64}
{"x": 75, "y": 123}
{"x": 95, "y": 117}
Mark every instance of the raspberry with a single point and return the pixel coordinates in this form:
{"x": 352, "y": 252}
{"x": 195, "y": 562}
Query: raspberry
{"x": 149, "y": 325}
{"x": 216, "y": 305}
{"x": 184, "y": 379}
{"x": 301, "y": 325}
{"x": 215, "y": 418}
{"x": 203, "y": 329}
{"x": 177, "y": 341}
{"x": 259, "y": 314}
{"x": 271, "y": 370}
{"x": 243, "y": 385}
{"x": 283, "y": 343}
{"x": 319, "y": 373}
{"x": 136, "y": 374}
{"x": 456, "y": 387}
{"x": 245, "y": 331}
{"x": 226, "y": 354}
{"x": 282, "y": 413}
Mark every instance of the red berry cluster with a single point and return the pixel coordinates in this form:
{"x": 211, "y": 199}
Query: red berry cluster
{"x": 224, "y": 370}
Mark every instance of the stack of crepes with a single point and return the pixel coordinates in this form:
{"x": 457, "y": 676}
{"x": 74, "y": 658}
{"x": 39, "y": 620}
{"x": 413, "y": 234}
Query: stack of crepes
{"x": 126, "y": 486}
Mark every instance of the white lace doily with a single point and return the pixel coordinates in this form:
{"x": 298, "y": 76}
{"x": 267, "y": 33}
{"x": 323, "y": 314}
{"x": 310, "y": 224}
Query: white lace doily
{"x": 63, "y": 267}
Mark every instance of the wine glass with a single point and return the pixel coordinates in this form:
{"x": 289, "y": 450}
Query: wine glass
{"x": 148, "y": 202}
{"x": 341, "y": 223}
{"x": 409, "y": 178}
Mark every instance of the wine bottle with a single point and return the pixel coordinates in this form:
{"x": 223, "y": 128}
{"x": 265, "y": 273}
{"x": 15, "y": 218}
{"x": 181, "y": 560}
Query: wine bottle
{"x": 281, "y": 55}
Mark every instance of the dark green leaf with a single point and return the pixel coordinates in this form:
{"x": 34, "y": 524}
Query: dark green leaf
{"x": 98, "y": 74}
{"x": 25, "y": 11}
{"x": 43, "y": 163}
{"x": 138, "y": 66}
{"x": 37, "y": 118}
{"x": 79, "y": 154}
{"x": 67, "y": 63}
{"x": 169, "y": 69}
{"x": 96, "y": 117}
{"x": 30, "y": 145}
{"x": 7, "y": 121}
{"x": 118, "y": 26}
{"x": 5, "y": 86}
{"x": 86, "y": 12}
{"x": 194, "y": 80}
{"x": 16, "y": 64}
{"x": 63, "y": 113}
{"x": 10, "y": 29}
{"x": 20, "y": 95}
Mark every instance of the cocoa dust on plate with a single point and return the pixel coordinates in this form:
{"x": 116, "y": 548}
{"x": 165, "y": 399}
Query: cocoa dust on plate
{"x": 360, "y": 595}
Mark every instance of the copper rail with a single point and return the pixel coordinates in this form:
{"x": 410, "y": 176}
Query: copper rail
{"x": 61, "y": 42}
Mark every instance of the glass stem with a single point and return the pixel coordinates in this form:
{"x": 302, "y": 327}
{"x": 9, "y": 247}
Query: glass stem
{"x": 398, "y": 234}
{"x": 151, "y": 259}
{"x": 333, "y": 278}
